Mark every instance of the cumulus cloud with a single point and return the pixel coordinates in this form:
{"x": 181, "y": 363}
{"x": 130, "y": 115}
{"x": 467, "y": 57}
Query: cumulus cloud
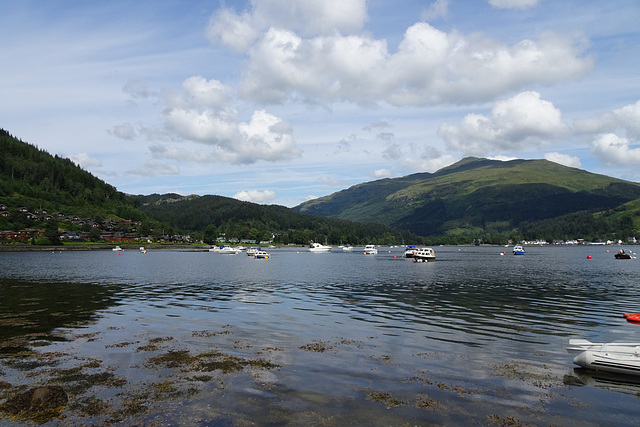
{"x": 563, "y": 159}
{"x": 613, "y": 150}
{"x": 84, "y": 160}
{"x": 625, "y": 119}
{"x": 154, "y": 168}
{"x": 255, "y": 196}
{"x": 513, "y": 4}
{"x": 522, "y": 121}
{"x": 307, "y": 17}
{"x": 204, "y": 114}
{"x": 294, "y": 59}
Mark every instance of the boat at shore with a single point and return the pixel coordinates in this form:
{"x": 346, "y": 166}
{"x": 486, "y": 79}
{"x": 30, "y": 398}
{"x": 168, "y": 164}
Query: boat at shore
{"x": 317, "y": 247}
{"x": 620, "y": 358}
{"x": 424, "y": 255}
{"x": 370, "y": 250}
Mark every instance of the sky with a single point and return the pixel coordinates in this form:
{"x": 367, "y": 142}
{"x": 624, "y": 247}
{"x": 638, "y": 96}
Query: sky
{"x": 283, "y": 101}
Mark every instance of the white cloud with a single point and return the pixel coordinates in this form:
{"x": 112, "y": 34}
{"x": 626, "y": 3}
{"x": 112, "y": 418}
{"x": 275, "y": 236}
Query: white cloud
{"x": 307, "y": 17}
{"x": 625, "y": 119}
{"x": 381, "y": 173}
{"x": 84, "y": 160}
{"x": 513, "y": 4}
{"x": 437, "y": 9}
{"x": 613, "y": 150}
{"x": 431, "y": 161}
{"x": 516, "y": 123}
{"x": 203, "y": 114}
{"x": 563, "y": 159}
{"x": 430, "y": 66}
{"x": 255, "y": 196}
{"x": 502, "y": 158}
{"x": 154, "y": 168}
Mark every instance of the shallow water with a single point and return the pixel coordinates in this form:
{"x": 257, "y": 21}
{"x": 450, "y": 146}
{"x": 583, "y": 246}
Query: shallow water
{"x": 323, "y": 338}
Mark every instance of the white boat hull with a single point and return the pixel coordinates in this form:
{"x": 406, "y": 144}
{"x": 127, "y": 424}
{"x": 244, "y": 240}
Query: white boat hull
{"x": 610, "y": 361}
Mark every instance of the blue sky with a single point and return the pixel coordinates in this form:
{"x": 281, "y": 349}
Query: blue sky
{"x": 278, "y": 102}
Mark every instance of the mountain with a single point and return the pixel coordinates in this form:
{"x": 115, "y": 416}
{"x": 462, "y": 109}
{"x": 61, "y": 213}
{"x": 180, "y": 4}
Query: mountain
{"x": 245, "y": 220}
{"x": 475, "y": 195}
{"x": 35, "y": 179}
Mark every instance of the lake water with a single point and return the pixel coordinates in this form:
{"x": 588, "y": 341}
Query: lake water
{"x": 196, "y": 338}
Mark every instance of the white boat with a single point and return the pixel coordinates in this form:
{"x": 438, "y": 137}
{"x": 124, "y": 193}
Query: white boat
{"x": 214, "y": 249}
{"x": 584, "y": 345}
{"x": 410, "y": 251}
{"x": 226, "y": 249}
{"x": 347, "y": 248}
{"x": 518, "y": 250}
{"x": 621, "y": 358}
{"x": 317, "y": 247}
{"x": 424, "y": 254}
{"x": 261, "y": 255}
{"x": 143, "y": 250}
{"x": 252, "y": 250}
{"x": 370, "y": 250}
{"x": 117, "y": 248}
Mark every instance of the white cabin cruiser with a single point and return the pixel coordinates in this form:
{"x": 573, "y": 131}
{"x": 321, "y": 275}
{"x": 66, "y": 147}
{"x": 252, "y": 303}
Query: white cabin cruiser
{"x": 424, "y": 255}
{"x": 317, "y": 247}
{"x": 370, "y": 250}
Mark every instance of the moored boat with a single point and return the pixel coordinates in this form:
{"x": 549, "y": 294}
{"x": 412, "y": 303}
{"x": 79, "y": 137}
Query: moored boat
{"x": 622, "y": 254}
{"x": 117, "y": 249}
{"x": 518, "y": 250}
{"x": 261, "y": 255}
{"x": 370, "y": 250}
{"x": 410, "y": 251}
{"x": 347, "y": 248}
{"x": 317, "y": 247}
{"x": 424, "y": 255}
{"x": 253, "y": 250}
{"x": 226, "y": 249}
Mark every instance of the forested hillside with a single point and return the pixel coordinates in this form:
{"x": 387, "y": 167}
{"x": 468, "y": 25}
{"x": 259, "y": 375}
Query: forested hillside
{"x": 218, "y": 215}
{"x": 491, "y": 200}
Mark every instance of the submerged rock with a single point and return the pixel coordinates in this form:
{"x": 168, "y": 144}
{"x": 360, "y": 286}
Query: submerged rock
{"x": 38, "y": 403}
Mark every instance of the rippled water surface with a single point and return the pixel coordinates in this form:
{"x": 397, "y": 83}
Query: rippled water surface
{"x": 320, "y": 338}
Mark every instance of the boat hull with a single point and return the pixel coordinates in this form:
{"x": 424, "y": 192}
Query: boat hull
{"x": 610, "y": 361}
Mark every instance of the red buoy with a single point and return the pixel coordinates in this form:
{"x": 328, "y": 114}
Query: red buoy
{"x": 589, "y": 257}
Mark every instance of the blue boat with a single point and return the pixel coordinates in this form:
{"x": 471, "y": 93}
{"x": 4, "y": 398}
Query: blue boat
{"x": 518, "y": 250}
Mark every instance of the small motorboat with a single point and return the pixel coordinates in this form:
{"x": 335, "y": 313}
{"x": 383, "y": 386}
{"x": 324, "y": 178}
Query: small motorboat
{"x": 622, "y": 254}
{"x": 317, "y": 247}
{"x": 226, "y": 249}
{"x": 347, "y": 248}
{"x": 518, "y": 250}
{"x": 424, "y": 255}
{"x": 409, "y": 251}
{"x": 117, "y": 249}
{"x": 370, "y": 250}
{"x": 253, "y": 250}
{"x": 261, "y": 255}
{"x": 620, "y": 358}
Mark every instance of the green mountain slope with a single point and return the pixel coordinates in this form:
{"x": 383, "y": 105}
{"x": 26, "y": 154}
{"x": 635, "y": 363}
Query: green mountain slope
{"x": 35, "y": 179}
{"x": 476, "y": 194}
{"x": 244, "y": 220}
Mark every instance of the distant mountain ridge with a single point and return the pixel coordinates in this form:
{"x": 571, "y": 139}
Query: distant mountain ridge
{"x": 474, "y": 194}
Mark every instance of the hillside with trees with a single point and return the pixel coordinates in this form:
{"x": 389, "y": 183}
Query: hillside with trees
{"x": 493, "y": 201}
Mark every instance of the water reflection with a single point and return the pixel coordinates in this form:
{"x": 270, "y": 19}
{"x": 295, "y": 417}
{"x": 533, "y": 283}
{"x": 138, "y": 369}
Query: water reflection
{"x": 32, "y": 310}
